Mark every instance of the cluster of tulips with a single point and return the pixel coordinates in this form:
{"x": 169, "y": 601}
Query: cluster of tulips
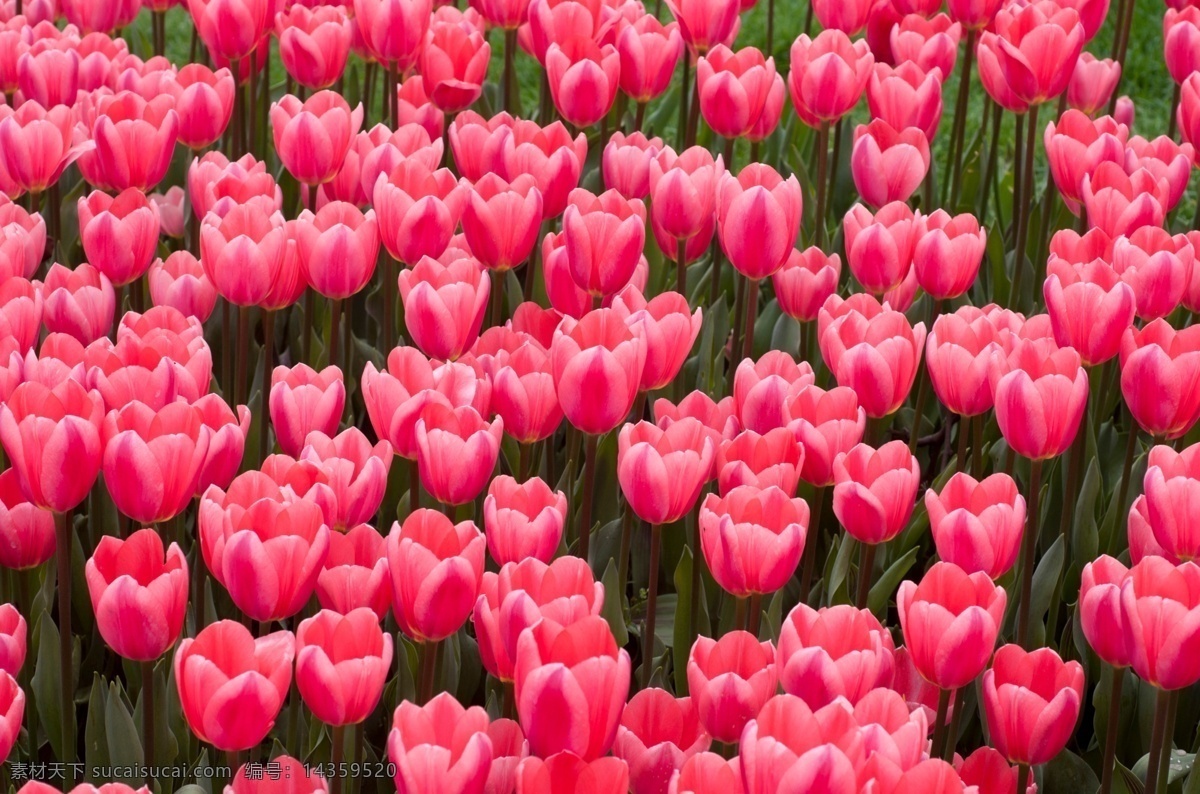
{"x": 801, "y": 530}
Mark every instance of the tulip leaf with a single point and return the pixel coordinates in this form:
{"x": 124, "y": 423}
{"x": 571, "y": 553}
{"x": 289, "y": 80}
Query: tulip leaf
{"x": 1085, "y": 535}
{"x": 470, "y": 667}
{"x": 95, "y": 742}
{"x": 1045, "y": 581}
{"x": 683, "y": 637}
{"x": 47, "y": 682}
{"x": 1068, "y": 772}
{"x": 614, "y": 611}
{"x": 124, "y": 743}
{"x": 1125, "y": 781}
{"x": 785, "y": 335}
{"x": 883, "y": 589}
{"x": 835, "y": 576}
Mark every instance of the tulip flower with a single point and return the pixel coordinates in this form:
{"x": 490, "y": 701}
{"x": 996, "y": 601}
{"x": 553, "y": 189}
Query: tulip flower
{"x": 523, "y": 394}
{"x": 355, "y": 573}
{"x": 667, "y": 326}
{"x": 705, "y": 23}
{"x": 436, "y": 569}
{"x": 312, "y": 137}
{"x": 571, "y": 684}
{"x": 13, "y": 630}
{"x": 1031, "y": 701}
{"x": 138, "y": 594}
{"x": 204, "y": 104}
{"x": 263, "y": 544}
{"x": 947, "y": 253}
{"x": 875, "y": 490}
{"x": 1092, "y": 83}
{"x": 850, "y": 18}
{"x": 501, "y": 220}
{"x": 879, "y": 248}
{"x": 231, "y": 685}
{"x": 806, "y": 279}
{"x": 440, "y": 741}
{"x": 1037, "y": 47}
{"x": 783, "y": 749}
{"x": 858, "y": 349}
{"x": 1040, "y": 395}
{"x": 707, "y": 773}
{"x": 354, "y": 475}
{"x": 26, "y": 531}
{"x": 78, "y": 302}
{"x": 888, "y": 165}
{"x": 657, "y": 735}
{"x": 566, "y": 773}
{"x": 548, "y": 154}
{"x": 226, "y": 442}
{"x": 135, "y": 140}
{"x": 649, "y": 52}
{"x": 119, "y": 235}
{"x": 1101, "y": 614}
{"x": 454, "y": 62}
{"x": 303, "y": 400}
{"x": 1091, "y": 317}
{"x": 1076, "y": 146}
{"x": 341, "y": 664}
{"x": 49, "y": 76}
{"x": 36, "y": 145}
{"x": 231, "y": 30}
{"x": 418, "y": 209}
{"x": 597, "y": 364}
{"x": 314, "y": 44}
{"x": 604, "y": 237}
{"x": 759, "y": 199}
{"x": 243, "y": 252}
{"x": 523, "y": 520}
{"x": 338, "y": 247}
{"x": 734, "y": 88}
{"x": 987, "y": 770}
{"x": 1188, "y": 112}
{"x": 12, "y": 711}
{"x": 1165, "y": 159}
{"x": 583, "y": 79}
{"x": 456, "y": 451}
{"x": 928, "y": 42}
{"x": 828, "y": 76}
{"x": 22, "y": 240}
{"x": 1157, "y": 266}
{"x": 753, "y": 538}
{"x": 1121, "y": 203}
{"x": 388, "y": 149}
{"x": 906, "y": 96}
{"x": 526, "y": 593}
{"x": 833, "y": 652}
{"x": 730, "y": 679}
{"x": 626, "y": 163}
{"x": 719, "y": 418}
{"x": 773, "y": 458}
{"x": 653, "y": 463}
{"x": 393, "y": 31}
{"x": 217, "y": 185}
{"x": 977, "y": 525}
{"x": 415, "y": 107}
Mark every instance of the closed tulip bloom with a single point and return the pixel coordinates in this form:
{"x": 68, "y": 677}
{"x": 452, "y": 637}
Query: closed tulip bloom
{"x": 707, "y": 773}
{"x": 567, "y": 773}
{"x": 753, "y": 539}
{"x": 1101, "y": 615}
{"x": 416, "y": 108}
{"x": 950, "y": 623}
{"x": 987, "y": 770}
{"x": 454, "y": 65}
{"x": 783, "y": 749}
{"x": 49, "y": 76}
{"x": 1170, "y": 483}
{"x": 705, "y": 23}
{"x": 120, "y": 234}
{"x": 657, "y": 735}
{"x": 444, "y": 305}
{"x": 526, "y": 593}
{"x": 227, "y": 441}
{"x": 649, "y": 52}
{"x": 135, "y": 140}
{"x": 388, "y": 149}
{"x": 877, "y": 357}
{"x": 354, "y": 475}
{"x": 12, "y": 712}
{"x": 1040, "y": 395}
{"x": 1076, "y": 146}
{"x": 759, "y": 199}
{"x": 773, "y": 458}
{"x": 825, "y": 424}
{"x": 303, "y": 400}
{"x": 440, "y": 745}
{"x": 930, "y": 43}
{"x": 875, "y": 490}
{"x": 501, "y": 220}
{"x": 91, "y": 17}
{"x": 230, "y": 29}
{"x": 78, "y": 302}
{"x": 22, "y": 240}
{"x": 806, "y": 279}
{"x": 341, "y": 664}
{"x": 668, "y": 328}
{"x": 393, "y": 31}
{"x": 26, "y": 531}
{"x": 53, "y": 441}
{"x": 1155, "y": 595}
{"x": 1090, "y": 316}
{"x": 523, "y": 520}
{"x": 571, "y": 684}
{"x": 152, "y": 459}
{"x": 1120, "y": 203}
{"x": 355, "y": 573}
{"x": 992, "y": 75}
{"x": 232, "y": 686}
{"x": 733, "y": 88}
{"x": 436, "y": 569}
{"x": 1157, "y": 265}
{"x": 833, "y": 652}
{"x": 139, "y": 593}
{"x": 849, "y": 18}
{"x": 763, "y": 388}
{"x": 217, "y": 185}
{"x": 977, "y": 525}
{"x": 338, "y": 248}
{"x": 295, "y": 778}
{"x": 597, "y": 364}
{"x": 418, "y": 210}
{"x": 888, "y": 165}
{"x": 828, "y": 76}
{"x": 37, "y": 145}
{"x": 204, "y": 105}
{"x": 1031, "y": 700}
{"x": 1181, "y": 42}
{"x": 906, "y": 96}
{"x": 13, "y": 630}
{"x": 719, "y": 418}
{"x": 584, "y": 78}
{"x": 243, "y": 252}
{"x": 314, "y": 44}
{"x": 1037, "y": 48}
{"x": 947, "y": 253}
{"x": 683, "y": 198}
{"x": 523, "y": 394}
{"x": 662, "y": 471}
{"x": 604, "y": 237}
{"x": 1092, "y": 83}
{"x": 264, "y": 545}
{"x": 547, "y": 154}
{"x": 626, "y": 163}
{"x": 729, "y": 680}
{"x": 312, "y": 137}
{"x": 1187, "y": 114}
{"x": 456, "y": 452}
{"x": 1165, "y": 159}
{"x": 879, "y": 247}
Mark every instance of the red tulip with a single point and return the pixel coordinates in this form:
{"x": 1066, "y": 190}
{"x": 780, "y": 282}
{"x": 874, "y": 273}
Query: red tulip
{"x": 834, "y": 652}
{"x": 355, "y": 573}
{"x": 888, "y": 165}
{"x": 1092, "y": 83}
{"x": 1031, "y": 701}
{"x": 566, "y": 773}
{"x": 828, "y": 75}
{"x": 1040, "y": 395}
{"x": 977, "y": 525}
{"x": 523, "y": 520}
{"x": 649, "y": 52}
{"x": 753, "y": 538}
{"x": 1037, "y": 46}
{"x": 604, "y": 236}
{"x": 875, "y": 490}
{"x": 36, "y": 144}
{"x": 312, "y": 137}
{"x": 906, "y": 96}
{"x": 436, "y": 569}
{"x": 583, "y": 79}
{"x": 341, "y": 664}
{"x": 657, "y": 735}
{"x": 930, "y": 43}
{"x": 729, "y": 680}
{"x": 78, "y": 302}
{"x": 454, "y": 62}
{"x": 805, "y": 281}
{"x": 139, "y": 596}
{"x": 571, "y": 684}
{"x": 1101, "y": 615}
{"x": 1090, "y": 316}
{"x": 26, "y": 531}
{"x": 393, "y": 31}
{"x": 231, "y": 685}
{"x": 501, "y": 220}
{"x": 456, "y": 451}
{"x": 314, "y": 44}
{"x": 526, "y": 593}
{"x": 440, "y": 744}
{"x": 263, "y": 544}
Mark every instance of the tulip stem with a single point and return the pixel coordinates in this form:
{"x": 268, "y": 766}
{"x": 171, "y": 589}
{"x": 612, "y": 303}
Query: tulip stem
{"x": 822, "y": 173}
{"x": 754, "y": 618}
{"x": 697, "y": 561}
{"x": 243, "y": 341}
{"x": 813, "y": 539}
{"x": 431, "y": 661}
{"x": 739, "y": 613}
{"x": 751, "y": 317}
{"x": 952, "y": 730}
{"x": 496, "y": 307}
{"x": 1029, "y": 552}
{"x": 1121, "y": 47}
{"x": 964, "y": 430}
{"x": 1162, "y": 705}
{"x": 639, "y": 116}
{"x": 1025, "y": 205}
{"x": 651, "y": 606}
{"x": 866, "y": 563}
{"x": 148, "y": 719}
{"x": 833, "y": 166}
{"x": 937, "y": 746}
{"x": 977, "y": 447}
{"x": 989, "y": 172}
{"x": 264, "y": 393}
{"x": 335, "y": 322}
{"x": 1022, "y": 778}
{"x": 251, "y": 105}
{"x": 626, "y": 543}
{"x": 735, "y": 344}
{"x": 62, "y": 555}
{"x": 414, "y": 486}
{"x": 685, "y": 64}
{"x": 356, "y": 750}
{"x": 336, "y": 741}
{"x": 918, "y": 410}
{"x": 959, "y": 130}
{"x": 585, "y": 508}
{"x": 1112, "y": 730}
{"x": 392, "y": 100}
{"x": 227, "y": 351}
{"x": 1127, "y": 467}
{"x": 681, "y": 266}
{"x": 770, "y": 27}
{"x": 693, "y": 113}
{"x": 510, "y": 75}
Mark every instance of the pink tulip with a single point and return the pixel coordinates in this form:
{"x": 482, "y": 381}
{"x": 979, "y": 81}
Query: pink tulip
{"x": 649, "y": 52}
{"x": 312, "y": 137}
{"x": 456, "y": 451}
{"x": 1092, "y": 83}
{"x": 828, "y": 75}
{"x": 1040, "y": 394}
{"x": 79, "y": 302}
{"x": 759, "y": 199}
{"x": 875, "y": 490}
{"x": 753, "y": 538}
{"x": 338, "y": 248}
{"x": 977, "y": 525}
{"x": 879, "y": 247}
{"x": 657, "y": 735}
{"x": 356, "y": 573}
{"x": 314, "y": 44}
{"x": 501, "y": 220}
{"x": 341, "y": 664}
{"x": 773, "y": 458}
{"x": 947, "y": 253}
{"x": 888, "y": 165}
{"x": 729, "y": 680}
{"x": 805, "y": 281}
{"x": 834, "y": 652}
{"x": 440, "y": 744}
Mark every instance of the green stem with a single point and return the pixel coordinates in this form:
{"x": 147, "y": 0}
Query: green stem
{"x": 1025, "y": 206}
{"x": 1162, "y": 705}
{"x": 939, "y": 722}
{"x": 148, "y": 719}
{"x": 651, "y": 606}
{"x": 754, "y": 619}
{"x": 866, "y": 562}
{"x": 1127, "y": 467}
{"x": 243, "y": 364}
{"x": 510, "y": 75}
{"x": 977, "y": 448}
{"x": 685, "y": 64}
{"x": 585, "y": 508}
{"x": 268, "y": 329}
{"x": 822, "y": 177}
{"x": 958, "y": 132}
{"x": 989, "y": 172}
{"x": 751, "y": 315}
{"x": 693, "y": 112}
{"x": 1112, "y": 730}
{"x": 337, "y": 740}
{"x": 834, "y": 162}
{"x": 813, "y": 540}
{"x": 62, "y": 528}
{"x": 964, "y": 430}
{"x": 1029, "y": 552}
{"x": 1022, "y": 778}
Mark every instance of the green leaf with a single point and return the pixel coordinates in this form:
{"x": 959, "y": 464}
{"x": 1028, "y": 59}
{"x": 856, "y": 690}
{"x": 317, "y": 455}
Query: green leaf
{"x": 1069, "y": 772}
{"x": 682, "y": 641}
{"x": 1085, "y": 535}
{"x": 1045, "y": 580}
{"x": 836, "y": 576}
{"x": 124, "y": 744}
{"x": 1125, "y": 781}
{"x": 95, "y": 743}
{"x": 613, "y": 611}
{"x": 882, "y": 590}
{"x": 47, "y": 682}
